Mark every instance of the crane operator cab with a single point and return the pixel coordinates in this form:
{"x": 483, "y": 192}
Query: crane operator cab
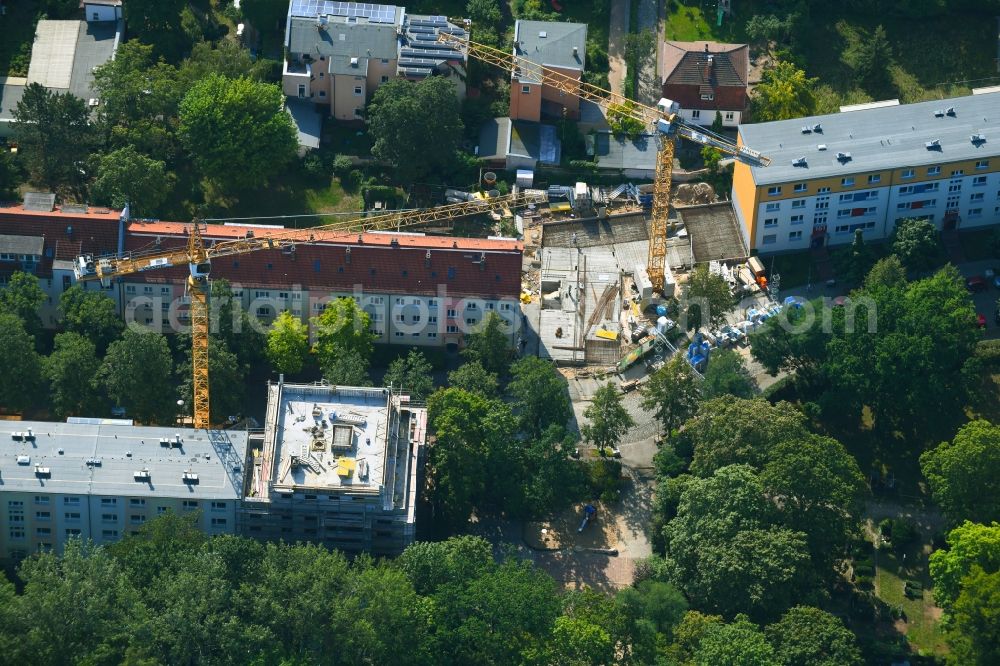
{"x": 85, "y": 267}
{"x": 667, "y": 108}
{"x": 200, "y": 271}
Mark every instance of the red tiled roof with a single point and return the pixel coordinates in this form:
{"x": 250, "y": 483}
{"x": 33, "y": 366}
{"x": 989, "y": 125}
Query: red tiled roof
{"x": 67, "y": 234}
{"x": 689, "y": 97}
{"x": 688, "y": 75}
{"x": 375, "y": 264}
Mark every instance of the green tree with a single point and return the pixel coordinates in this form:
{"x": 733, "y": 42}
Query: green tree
{"x": 236, "y": 121}
{"x": 794, "y": 341}
{"x": 688, "y": 634}
{"x": 607, "y": 419}
{"x": 740, "y": 643}
{"x": 916, "y": 243}
{"x": 288, "y": 344}
{"x": 474, "y": 378}
{"x": 125, "y": 176}
{"x": 487, "y": 19}
{"x": 265, "y": 15}
{"x": 413, "y": 374}
{"x": 727, "y": 374}
{"x": 225, "y": 380}
{"x": 137, "y": 372}
{"x": 961, "y": 473}
{"x": 226, "y": 57}
{"x": 22, "y": 297}
{"x": 806, "y": 636}
{"x": 91, "y": 314}
{"x": 436, "y": 565}
{"x": 10, "y": 175}
{"x": 706, "y": 299}
{"x": 717, "y": 126}
{"x": 539, "y": 395}
{"x": 974, "y": 634}
{"x": 243, "y": 334}
{"x": 159, "y": 24}
{"x": 724, "y": 550}
{"x": 870, "y": 57}
{"x": 490, "y": 345}
{"x": 672, "y": 393}
{"x": 344, "y": 343}
{"x": 656, "y": 601}
{"x": 21, "y": 363}
{"x": 415, "y": 150}
{"x": 887, "y": 272}
{"x": 576, "y": 641}
{"x": 970, "y": 545}
{"x": 71, "y": 371}
{"x": 784, "y": 92}
{"x": 764, "y": 28}
{"x": 623, "y": 121}
{"x": 860, "y": 259}
{"x": 640, "y": 49}
{"x": 53, "y": 134}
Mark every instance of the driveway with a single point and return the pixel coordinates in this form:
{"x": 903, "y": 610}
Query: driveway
{"x": 649, "y": 91}
{"x": 618, "y": 28}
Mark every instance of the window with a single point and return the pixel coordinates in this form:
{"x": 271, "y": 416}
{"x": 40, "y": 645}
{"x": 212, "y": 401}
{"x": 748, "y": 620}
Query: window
{"x": 385, "y": 79}
{"x": 774, "y": 190}
{"x": 933, "y": 171}
{"x": 71, "y": 501}
{"x": 978, "y": 196}
{"x": 453, "y": 329}
{"x": 451, "y": 312}
{"x": 72, "y": 532}
{"x": 358, "y": 113}
{"x": 109, "y": 534}
{"x": 160, "y": 510}
{"x": 109, "y": 517}
{"x": 415, "y": 335}
{"x": 847, "y": 182}
{"x": 43, "y": 531}
{"x": 708, "y": 97}
{"x": 983, "y": 164}
{"x": 471, "y": 306}
{"x": 770, "y": 239}
{"x": 130, "y": 289}
{"x": 399, "y": 317}
{"x": 729, "y": 115}
{"x": 16, "y": 532}
{"x": 506, "y": 307}
{"x": 795, "y": 235}
{"x": 42, "y": 500}
{"x": 957, "y": 172}
{"x": 819, "y": 220}
{"x": 357, "y": 90}
{"x": 71, "y": 516}
{"x": 822, "y": 204}
{"x": 979, "y": 181}
{"x": 432, "y": 334}
{"x": 975, "y": 212}
{"x": 147, "y": 290}
{"x": 797, "y": 219}
{"x": 471, "y": 321}
{"x": 770, "y": 222}
{"x": 221, "y": 506}
{"x": 955, "y": 187}
{"x": 219, "y": 522}
{"x": 907, "y": 173}
{"x": 800, "y": 187}
{"x": 799, "y": 203}
{"x": 190, "y": 504}
{"x": 385, "y": 61}
{"x": 874, "y": 178}
{"x": 772, "y": 207}
{"x": 137, "y": 519}
{"x": 432, "y": 303}
{"x": 398, "y": 334}
{"x": 823, "y": 190}
{"x": 302, "y": 90}
{"x": 696, "y": 114}
{"x": 376, "y": 300}
{"x": 432, "y": 319}
{"x": 109, "y": 501}
{"x": 525, "y": 89}
{"x": 42, "y": 515}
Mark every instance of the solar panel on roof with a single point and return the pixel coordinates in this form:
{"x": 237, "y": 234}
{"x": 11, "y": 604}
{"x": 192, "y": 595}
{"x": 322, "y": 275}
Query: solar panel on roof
{"x": 372, "y": 12}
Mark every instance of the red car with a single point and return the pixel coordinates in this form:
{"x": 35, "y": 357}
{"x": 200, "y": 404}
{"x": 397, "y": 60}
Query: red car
{"x": 981, "y": 320}
{"x": 975, "y": 283}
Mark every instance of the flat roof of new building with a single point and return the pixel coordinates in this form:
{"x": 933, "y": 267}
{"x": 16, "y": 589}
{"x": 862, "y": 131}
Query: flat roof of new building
{"x": 880, "y": 138}
{"x": 714, "y": 231}
{"x": 337, "y": 438}
{"x": 65, "y": 53}
{"x": 103, "y": 457}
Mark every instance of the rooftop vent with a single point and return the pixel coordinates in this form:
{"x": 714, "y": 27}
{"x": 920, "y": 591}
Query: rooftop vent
{"x": 354, "y": 62}
{"x": 978, "y": 139}
{"x": 190, "y": 477}
{"x": 43, "y": 472}
{"x": 950, "y": 111}
{"x": 821, "y": 146}
{"x": 800, "y": 162}
{"x": 806, "y": 129}
{"x": 542, "y": 34}
{"x": 843, "y": 157}
{"x": 93, "y": 462}
{"x": 141, "y": 475}
{"x": 939, "y": 113}
{"x": 933, "y": 145}
{"x": 817, "y": 128}
{"x": 24, "y": 460}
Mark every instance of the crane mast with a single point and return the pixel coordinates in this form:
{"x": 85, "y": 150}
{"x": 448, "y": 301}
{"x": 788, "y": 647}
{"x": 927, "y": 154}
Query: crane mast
{"x": 198, "y": 257}
{"x": 663, "y": 120}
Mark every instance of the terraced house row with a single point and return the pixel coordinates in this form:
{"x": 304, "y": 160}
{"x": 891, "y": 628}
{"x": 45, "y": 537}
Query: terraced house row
{"x": 869, "y": 167}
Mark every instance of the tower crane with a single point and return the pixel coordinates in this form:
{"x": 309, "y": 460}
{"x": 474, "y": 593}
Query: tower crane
{"x": 198, "y": 256}
{"x": 664, "y": 120}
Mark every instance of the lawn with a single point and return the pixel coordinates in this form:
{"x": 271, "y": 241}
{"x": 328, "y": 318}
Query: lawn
{"x": 344, "y": 140}
{"x": 688, "y": 24}
{"x": 292, "y": 194}
{"x": 18, "y": 29}
{"x": 921, "y": 618}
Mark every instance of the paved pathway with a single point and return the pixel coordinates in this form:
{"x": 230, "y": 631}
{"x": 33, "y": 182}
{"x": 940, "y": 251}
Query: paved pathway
{"x": 620, "y": 10}
{"x": 649, "y": 19}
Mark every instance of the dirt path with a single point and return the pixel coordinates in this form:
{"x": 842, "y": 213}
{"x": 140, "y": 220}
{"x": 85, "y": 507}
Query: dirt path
{"x": 618, "y": 28}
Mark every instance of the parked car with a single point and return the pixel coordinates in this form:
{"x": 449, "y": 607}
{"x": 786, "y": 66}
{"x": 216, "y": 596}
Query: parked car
{"x": 975, "y": 283}
{"x": 981, "y": 320}
{"x": 993, "y": 275}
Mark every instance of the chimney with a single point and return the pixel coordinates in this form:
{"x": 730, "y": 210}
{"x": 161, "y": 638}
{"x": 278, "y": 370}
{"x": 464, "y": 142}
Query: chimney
{"x": 347, "y": 256}
{"x": 427, "y": 259}
{"x": 576, "y": 52}
{"x": 482, "y": 261}
{"x": 706, "y": 47}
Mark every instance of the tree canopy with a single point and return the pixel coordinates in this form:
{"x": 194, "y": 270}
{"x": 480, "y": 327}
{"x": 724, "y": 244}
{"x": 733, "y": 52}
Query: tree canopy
{"x": 288, "y": 344}
{"x": 125, "y": 176}
{"x": 807, "y": 636}
{"x": 539, "y": 395}
{"x": 21, "y": 297}
{"x": 91, "y": 314}
{"x": 474, "y": 378}
{"x": 706, "y": 299}
{"x": 21, "y": 363}
{"x": 962, "y": 473}
{"x": 54, "y": 136}
{"x": 236, "y": 121}
{"x": 136, "y": 373}
{"x": 490, "y": 345}
{"x": 607, "y": 418}
{"x": 672, "y": 393}
{"x": 784, "y": 92}
{"x": 727, "y": 374}
{"x": 344, "y": 343}
{"x": 916, "y": 243}
{"x": 412, "y": 374}
{"x": 71, "y": 371}
{"x": 415, "y": 148}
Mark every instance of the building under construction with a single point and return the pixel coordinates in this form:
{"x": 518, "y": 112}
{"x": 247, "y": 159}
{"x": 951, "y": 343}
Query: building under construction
{"x": 336, "y": 465}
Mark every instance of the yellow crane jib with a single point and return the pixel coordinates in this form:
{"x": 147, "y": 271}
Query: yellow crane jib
{"x": 663, "y": 121}
{"x": 198, "y": 258}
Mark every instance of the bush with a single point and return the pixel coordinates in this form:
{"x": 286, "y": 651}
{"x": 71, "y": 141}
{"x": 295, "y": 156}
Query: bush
{"x": 342, "y": 166}
{"x": 312, "y": 165}
{"x": 604, "y": 477}
{"x": 988, "y": 352}
{"x": 904, "y": 533}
